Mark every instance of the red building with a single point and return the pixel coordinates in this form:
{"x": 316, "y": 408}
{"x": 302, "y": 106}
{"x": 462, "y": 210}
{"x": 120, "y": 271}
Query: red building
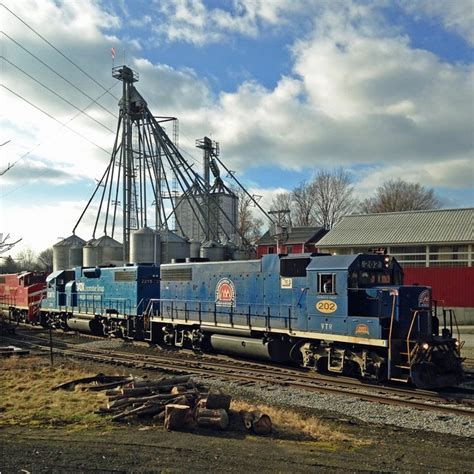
{"x": 299, "y": 240}
{"x": 435, "y": 248}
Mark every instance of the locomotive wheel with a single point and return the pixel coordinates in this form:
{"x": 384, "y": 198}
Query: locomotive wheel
{"x": 423, "y": 375}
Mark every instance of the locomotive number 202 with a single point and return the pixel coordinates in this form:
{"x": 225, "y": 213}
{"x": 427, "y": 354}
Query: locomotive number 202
{"x": 326, "y": 306}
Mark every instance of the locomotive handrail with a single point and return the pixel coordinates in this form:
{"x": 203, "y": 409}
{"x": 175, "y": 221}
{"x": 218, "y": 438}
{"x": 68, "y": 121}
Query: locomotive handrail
{"x": 213, "y": 311}
{"x": 390, "y": 332}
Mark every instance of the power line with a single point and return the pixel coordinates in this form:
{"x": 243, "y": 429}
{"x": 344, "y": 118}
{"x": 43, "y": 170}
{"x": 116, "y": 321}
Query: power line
{"x": 54, "y": 118}
{"x": 57, "y": 95}
{"x": 38, "y": 144}
{"x": 57, "y": 73}
{"x": 58, "y": 51}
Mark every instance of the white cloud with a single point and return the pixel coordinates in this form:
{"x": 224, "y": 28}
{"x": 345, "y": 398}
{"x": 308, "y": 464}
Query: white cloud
{"x": 193, "y": 22}
{"x": 456, "y": 15}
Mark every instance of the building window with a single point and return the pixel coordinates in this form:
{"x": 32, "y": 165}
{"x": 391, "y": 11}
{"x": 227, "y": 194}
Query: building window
{"x": 271, "y": 249}
{"x": 327, "y": 283}
{"x": 289, "y": 248}
{"x": 449, "y": 256}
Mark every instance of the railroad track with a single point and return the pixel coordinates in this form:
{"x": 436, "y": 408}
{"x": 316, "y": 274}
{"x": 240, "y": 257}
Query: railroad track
{"x": 253, "y": 373}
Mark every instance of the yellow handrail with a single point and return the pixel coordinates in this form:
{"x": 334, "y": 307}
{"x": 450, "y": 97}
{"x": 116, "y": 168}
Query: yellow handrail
{"x": 415, "y": 315}
{"x": 392, "y": 317}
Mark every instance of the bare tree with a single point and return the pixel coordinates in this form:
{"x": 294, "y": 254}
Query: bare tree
{"x": 27, "y": 260}
{"x": 398, "y": 195}
{"x": 8, "y": 265}
{"x": 45, "y": 260}
{"x": 331, "y": 192}
{"x": 283, "y": 201}
{"x": 5, "y": 245}
{"x": 249, "y": 226}
{"x": 303, "y": 205}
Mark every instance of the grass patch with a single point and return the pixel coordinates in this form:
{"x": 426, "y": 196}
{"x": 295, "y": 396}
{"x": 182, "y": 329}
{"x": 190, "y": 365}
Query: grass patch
{"x": 289, "y": 424}
{"x": 27, "y": 398}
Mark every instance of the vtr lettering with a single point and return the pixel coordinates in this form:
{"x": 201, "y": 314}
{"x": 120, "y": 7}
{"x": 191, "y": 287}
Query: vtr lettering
{"x": 326, "y": 326}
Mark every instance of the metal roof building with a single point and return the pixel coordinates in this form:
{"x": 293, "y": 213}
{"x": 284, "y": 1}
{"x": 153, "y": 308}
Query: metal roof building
{"x": 435, "y": 248}
{"x": 403, "y": 228}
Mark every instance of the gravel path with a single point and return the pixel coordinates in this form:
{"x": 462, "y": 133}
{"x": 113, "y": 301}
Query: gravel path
{"x": 350, "y": 407}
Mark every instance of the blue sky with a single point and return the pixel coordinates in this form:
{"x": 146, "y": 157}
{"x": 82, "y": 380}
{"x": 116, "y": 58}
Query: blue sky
{"x": 288, "y": 87}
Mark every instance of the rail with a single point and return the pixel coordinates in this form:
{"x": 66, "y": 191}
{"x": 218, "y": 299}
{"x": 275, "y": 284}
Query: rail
{"x": 211, "y": 312}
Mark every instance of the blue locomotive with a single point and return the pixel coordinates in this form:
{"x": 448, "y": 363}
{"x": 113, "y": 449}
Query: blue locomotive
{"x": 347, "y": 314}
{"x": 101, "y": 300}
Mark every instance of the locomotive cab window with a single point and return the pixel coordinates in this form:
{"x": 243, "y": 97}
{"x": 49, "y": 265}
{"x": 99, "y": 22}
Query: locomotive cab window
{"x": 327, "y": 283}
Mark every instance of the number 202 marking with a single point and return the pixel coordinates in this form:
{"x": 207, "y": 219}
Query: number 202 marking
{"x": 326, "y": 306}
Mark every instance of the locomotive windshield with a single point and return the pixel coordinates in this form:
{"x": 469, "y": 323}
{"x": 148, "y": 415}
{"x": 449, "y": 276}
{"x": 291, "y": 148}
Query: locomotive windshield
{"x": 375, "y": 272}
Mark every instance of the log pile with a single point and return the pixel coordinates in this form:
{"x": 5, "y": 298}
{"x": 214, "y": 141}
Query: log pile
{"x": 176, "y": 402}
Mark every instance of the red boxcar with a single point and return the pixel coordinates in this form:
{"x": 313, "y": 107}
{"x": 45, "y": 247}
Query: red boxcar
{"x": 21, "y": 294}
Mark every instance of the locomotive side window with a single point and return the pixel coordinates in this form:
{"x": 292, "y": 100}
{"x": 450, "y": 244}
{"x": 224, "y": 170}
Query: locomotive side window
{"x": 327, "y": 283}
{"x": 293, "y": 267}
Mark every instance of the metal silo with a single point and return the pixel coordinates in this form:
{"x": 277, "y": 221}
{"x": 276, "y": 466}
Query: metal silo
{"x": 111, "y": 251}
{"x": 173, "y": 246}
{"x": 61, "y": 250}
{"x": 214, "y": 251}
{"x": 194, "y": 248}
{"x": 145, "y": 246}
{"x": 75, "y": 256}
{"x": 92, "y": 254}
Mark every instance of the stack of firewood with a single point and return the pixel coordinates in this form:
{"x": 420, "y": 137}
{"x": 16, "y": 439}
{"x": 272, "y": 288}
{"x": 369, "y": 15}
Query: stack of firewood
{"x": 177, "y": 402}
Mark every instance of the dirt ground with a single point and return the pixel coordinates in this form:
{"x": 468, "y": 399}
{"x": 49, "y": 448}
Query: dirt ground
{"x": 47, "y": 439}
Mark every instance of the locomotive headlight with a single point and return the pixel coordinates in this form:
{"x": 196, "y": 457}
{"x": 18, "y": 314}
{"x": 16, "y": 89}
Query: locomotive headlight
{"x": 425, "y": 346}
{"x": 386, "y": 261}
{"x": 456, "y": 343}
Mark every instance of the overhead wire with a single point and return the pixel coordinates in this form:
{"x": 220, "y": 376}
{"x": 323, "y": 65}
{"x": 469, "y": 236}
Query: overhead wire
{"x": 59, "y": 51}
{"x": 62, "y": 125}
{"x": 57, "y": 95}
{"x": 59, "y": 75}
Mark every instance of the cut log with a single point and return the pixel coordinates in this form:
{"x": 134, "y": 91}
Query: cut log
{"x": 201, "y": 403}
{"x": 207, "y": 413}
{"x": 262, "y": 424}
{"x": 160, "y": 418}
{"x": 218, "y": 400}
{"x": 220, "y": 421}
{"x": 172, "y": 381}
{"x": 247, "y": 418}
{"x": 177, "y": 389}
{"x": 175, "y": 416}
{"x": 256, "y": 421}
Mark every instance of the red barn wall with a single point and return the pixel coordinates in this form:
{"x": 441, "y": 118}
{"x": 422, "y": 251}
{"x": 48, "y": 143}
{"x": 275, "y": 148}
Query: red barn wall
{"x": 263, "y": 249}
{"x": 453, "y": 285}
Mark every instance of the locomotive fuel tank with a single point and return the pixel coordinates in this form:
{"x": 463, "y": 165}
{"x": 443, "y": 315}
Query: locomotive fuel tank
{"x": 275, "y": 350}
{"x": 91, "y": 326}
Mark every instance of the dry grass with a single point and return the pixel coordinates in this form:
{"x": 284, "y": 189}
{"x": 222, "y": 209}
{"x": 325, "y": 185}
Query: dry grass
{"x": 27, "y": 398}
{"x": 291, "y": 424}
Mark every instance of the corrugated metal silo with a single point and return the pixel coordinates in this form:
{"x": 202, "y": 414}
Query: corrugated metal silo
{"x": 61, "y": 259}
{"x": 173, "y": 246}
{"x": 145, "y": 246}
{"x": 214, "y": 251}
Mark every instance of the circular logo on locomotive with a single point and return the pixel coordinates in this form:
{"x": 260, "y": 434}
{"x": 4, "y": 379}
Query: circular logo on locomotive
{"x": 225, "y": 292}
{"x": 424, "y": 299}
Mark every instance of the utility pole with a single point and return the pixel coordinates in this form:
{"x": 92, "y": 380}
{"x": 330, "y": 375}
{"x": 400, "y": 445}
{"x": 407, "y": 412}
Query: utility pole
{"x": 281, "y": 226}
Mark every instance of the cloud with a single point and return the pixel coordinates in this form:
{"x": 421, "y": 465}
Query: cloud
{"x": 456, "y": 16}
{"x": 354, "y": 96}
{"x": 357, "y": 94}
{"x": 193, "y": 22}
